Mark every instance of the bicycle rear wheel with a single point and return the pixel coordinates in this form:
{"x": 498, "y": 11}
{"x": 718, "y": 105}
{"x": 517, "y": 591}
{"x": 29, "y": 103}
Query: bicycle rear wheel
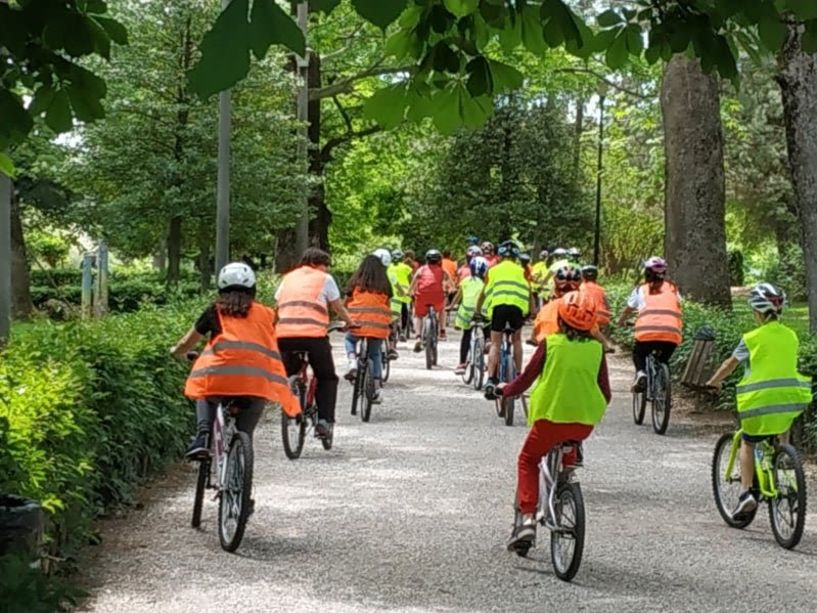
{"x": 293, "y": 429}
{"x": 234, "y": 502}
{"x": 662, "y": 399}
{"x": 787, "y": 512}
{"x": 726, "y": 488}
{"x": 386, "y": 364}
{"x": 367, "y": 397}
{"x": 567, "y": 538}
{"x": 357, "y": 388}
{"x": 198, "y": 498}
{"x": 478, "y": 360}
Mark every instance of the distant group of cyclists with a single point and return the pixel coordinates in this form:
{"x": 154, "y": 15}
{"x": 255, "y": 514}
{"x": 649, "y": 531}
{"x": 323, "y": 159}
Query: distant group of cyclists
{"x": 252, "y": 349}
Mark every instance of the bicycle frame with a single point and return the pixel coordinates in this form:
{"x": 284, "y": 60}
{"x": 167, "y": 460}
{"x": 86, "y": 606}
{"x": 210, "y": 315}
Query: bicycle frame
{"x": 223, "y": 430}
{"x": 765, "y": 475}
{"x": 550, "y": 464}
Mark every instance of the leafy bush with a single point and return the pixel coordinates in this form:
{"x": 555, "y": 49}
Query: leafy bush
{"x": 24, "y": 589}
{"x": 728, "y": 326}
{"x": 736, "y": 267}
{"x": 87, "y": 409}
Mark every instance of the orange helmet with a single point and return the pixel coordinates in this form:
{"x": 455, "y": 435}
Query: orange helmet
{"x": 578, "y": 310}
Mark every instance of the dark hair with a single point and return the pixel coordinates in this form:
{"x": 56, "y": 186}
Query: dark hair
{"x": 235, "y": 302}
{"x": 315, "y": 257}
{"x": 409, "y": 254}
{"x": 446, "y": 253}
{"x": 572, "y": 333}
{"x": 370, "y": 277}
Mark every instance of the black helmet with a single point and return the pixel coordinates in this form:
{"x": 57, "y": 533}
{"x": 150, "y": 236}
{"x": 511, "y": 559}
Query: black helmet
{"x": 433, "y": 256}
{"x": 524, "y": 258}
{"x": 473, "y": 240}
{"x": 590, "y": 272}
{"x": 508, "y": 249}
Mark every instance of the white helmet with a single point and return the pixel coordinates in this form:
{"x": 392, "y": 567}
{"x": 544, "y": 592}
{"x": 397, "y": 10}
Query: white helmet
{"x": 766, "y": 299}
{"x": 384, "y": 256}
{"x": 236, "y": 274}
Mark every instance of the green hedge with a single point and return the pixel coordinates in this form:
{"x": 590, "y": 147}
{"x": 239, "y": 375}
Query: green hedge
{"x": 728, "y": 327}
{"x": 87, "y": 410}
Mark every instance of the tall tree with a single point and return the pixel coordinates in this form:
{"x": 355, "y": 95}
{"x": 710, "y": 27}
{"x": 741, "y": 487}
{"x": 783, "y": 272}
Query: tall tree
{"x": 798, "y": 84}
{"x": 695, "y": 242}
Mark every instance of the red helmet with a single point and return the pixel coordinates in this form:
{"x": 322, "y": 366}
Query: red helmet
{"x": 578, "y": 310}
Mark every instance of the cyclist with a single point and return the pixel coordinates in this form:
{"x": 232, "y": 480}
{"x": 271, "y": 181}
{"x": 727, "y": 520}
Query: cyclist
{"x": 240, "y": 359}
{"x": 570, "y": 397}
{"x": 367, "y": 300}
{"x": 566, "y": 280}
{"x": 574, "y": 254}
{"x": 402, "y": 271}
{"x": 472, "y": 241}
{"x": 591, "y": 287}
{"x": 304, "y": 298}
{"x": 539, "y": 273}
{"x": 558, "y": 259}
{"x": 771, "y": 393}
{"x": 488, "y": 253}
{"x": 467, "y": 295}
{"x": 508, "y": 295}
{"x": 658, "y": 326}
{"x": 464, "y": 271}
{"x": 429, "y": 288}
{"x": 450, "y": 268}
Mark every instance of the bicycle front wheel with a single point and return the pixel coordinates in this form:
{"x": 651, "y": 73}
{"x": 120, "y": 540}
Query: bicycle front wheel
{"x": 508, "y": 403}
{"x": 662, "y": 399}
{"x": 198, "y": 498}
{"x": 787, "y": 512}
{"x": 726, "y": 487}
{"x": 234, "y": 502}
{"x": 639, "y": 407}
{"x": 367, "y": 397}
{"x": 293, "y": 429}
{"x": 567, "y": 536}
{"x": 478, "y": 360}
{"x": 386, "y": 365}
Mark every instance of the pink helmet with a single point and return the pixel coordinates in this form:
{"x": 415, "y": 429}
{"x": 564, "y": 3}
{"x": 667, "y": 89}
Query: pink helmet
{"x": 656, "y": 264}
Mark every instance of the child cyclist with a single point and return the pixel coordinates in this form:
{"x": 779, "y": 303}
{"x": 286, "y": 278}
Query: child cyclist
{"x": 368, "y": 298}
{"x": 429, "y": 288}
{"x": 240, "y": 360}
{"x": 467, "y": 295}
{"x": 570, "y": 397}
{"x": 771, "y": 393}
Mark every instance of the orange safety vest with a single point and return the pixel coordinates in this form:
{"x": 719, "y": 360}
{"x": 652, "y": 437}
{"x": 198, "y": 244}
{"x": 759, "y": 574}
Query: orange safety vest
{"x": 300, "y": 314}
{"x": 547, "y": 321}
{"x": 243, "y": 361}
{"x": 450, "y": 267}
{"x": 372, "y": 311}
{"x": 599, "y": 296}
{"x": 660, "y": 318}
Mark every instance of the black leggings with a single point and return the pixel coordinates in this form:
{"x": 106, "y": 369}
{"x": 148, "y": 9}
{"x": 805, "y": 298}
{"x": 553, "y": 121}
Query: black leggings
{"x": 663, "y": 349}
{"x": 319, "y": 352}
{"x": 465, "y": 345}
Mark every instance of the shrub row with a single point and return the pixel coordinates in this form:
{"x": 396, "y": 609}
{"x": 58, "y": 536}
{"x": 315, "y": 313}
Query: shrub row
{"x": 728, "y": 327}
{"x": 87, "y": 410}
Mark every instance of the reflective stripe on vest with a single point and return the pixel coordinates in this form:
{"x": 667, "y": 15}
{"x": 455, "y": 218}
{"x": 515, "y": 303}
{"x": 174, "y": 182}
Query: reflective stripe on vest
{"x": 243, "y": 361}
{"x": 567, "y": 391}
{"x": 471, "y": 288}
{"x": 507, "y": 286}
{"x": 371, "y": 312}
{"x": 773, "y": 393}
{"x": 300, "y": 314}
{"x": 660, "y": 319}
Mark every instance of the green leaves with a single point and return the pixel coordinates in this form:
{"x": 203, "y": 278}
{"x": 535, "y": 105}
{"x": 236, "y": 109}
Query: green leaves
{"x": 387, "y": 106}
{"x": 809, "y": 40}
{"x": 803, "y": 9}
{"x": 456, "y": 108}
{"x": 16, "y": 123}
{"x": 772, "y": 32}
{"x": 461, "y": 8}
{"x": 58, "y": 116}
{"x": 327, "y": 6}
{"x": 610, "y": 18}
{"x": 225, "y": 49}
{"x": 379, "y": 12}
{"x": 6, "y": 165}
{"x": 616, "y": 55}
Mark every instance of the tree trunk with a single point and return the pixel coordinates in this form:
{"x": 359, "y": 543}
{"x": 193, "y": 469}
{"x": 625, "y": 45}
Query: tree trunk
{"x": 798, "y": 84}
{"x": 285, "y": 256}
{"x": 578, "y": 129}
{"x": 319, "y": 224}
{"x": 695, "y": 239}
{"x": 21, "y": 305}
{"x": 160, "y": 258}
{"x": 174, "y": 251}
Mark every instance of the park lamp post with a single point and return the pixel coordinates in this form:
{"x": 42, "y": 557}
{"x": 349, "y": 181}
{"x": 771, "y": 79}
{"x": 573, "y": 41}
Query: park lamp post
{"x": 602, "y": 91}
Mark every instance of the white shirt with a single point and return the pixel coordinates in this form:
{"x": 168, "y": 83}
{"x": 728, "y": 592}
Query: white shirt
{"x": 636, "y": 300}
{"x": 329, "y": 293}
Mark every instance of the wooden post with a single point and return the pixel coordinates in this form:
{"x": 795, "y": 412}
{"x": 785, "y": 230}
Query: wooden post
{"x": 101, "y": 293}
{"x": 87, "y": 285}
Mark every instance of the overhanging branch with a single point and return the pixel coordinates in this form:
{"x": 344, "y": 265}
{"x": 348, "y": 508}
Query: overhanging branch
{"x": 346, "y": 85}
{"x": 601, "y": 77}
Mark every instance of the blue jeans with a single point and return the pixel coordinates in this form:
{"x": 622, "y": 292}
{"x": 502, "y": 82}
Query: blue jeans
{"x": 375, "y": 353}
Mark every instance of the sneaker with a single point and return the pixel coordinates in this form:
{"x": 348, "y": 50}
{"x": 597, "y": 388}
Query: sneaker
{"x": 490, "y": 389}
{"x": 378, "y": 397}
{"x": 323, "y": 429}
{"x": 402, "y": 338}
{"x": 199, "y": 448}
{"x": 640, "y": 383}
{"x": 746, "y": 504}
{"x": 460, "y": 369}
{"x": 418, "y": 346}
{"x": 351, "y": 370}
{"x": 393, "y": 355}
{"x": 523, "y": 536}
{"x": 443, "y": 336}
{"x": 532, "y": 342}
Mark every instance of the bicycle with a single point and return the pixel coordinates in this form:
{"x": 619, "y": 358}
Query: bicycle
{"x": 561, "y": 511}
{"x": 507, "y": 372}
{"x": 430, "y": 331}
{"x": 658, "y": 391}
{"x": 364, "y": 384}
{"x": 232, "y": 456}
{"x": 779, "y": 480}
{"x": 475, "y": 366}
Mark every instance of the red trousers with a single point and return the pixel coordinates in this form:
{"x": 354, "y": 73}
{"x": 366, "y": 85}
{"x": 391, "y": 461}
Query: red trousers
{"x": 543, "y": 436}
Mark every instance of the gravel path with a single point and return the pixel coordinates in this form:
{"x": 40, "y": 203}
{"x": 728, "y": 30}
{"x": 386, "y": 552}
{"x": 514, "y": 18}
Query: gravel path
{"x": 411, "y": 512}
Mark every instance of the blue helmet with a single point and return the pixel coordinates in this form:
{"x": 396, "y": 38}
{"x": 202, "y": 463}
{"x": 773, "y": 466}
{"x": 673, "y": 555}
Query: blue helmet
{"x": 478, "y": 266}
{"x": 473, "y": 240}
{"x": 508, "y": 249}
